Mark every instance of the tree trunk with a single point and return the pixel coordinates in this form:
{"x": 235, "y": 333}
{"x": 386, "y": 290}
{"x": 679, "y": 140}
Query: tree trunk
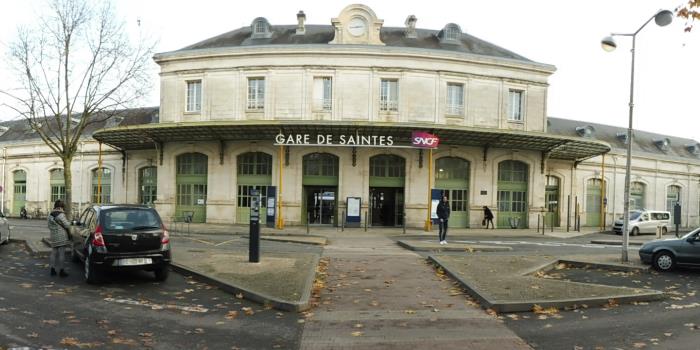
{"x": 68, "y": 180}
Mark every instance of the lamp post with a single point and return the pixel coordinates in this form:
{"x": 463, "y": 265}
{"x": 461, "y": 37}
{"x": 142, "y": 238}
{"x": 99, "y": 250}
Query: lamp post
{"x": 662, "y": 18}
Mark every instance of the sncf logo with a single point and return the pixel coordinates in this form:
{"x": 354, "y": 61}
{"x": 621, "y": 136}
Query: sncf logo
{"x": 424, "y": 139}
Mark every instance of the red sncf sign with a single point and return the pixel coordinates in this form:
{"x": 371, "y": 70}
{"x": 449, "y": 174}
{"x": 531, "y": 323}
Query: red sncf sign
{"x": 424, "y": 140}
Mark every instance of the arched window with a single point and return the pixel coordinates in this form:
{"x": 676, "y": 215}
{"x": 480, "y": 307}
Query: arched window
{"x": 451, "y": 168}
{"x": 254, "y": 163}
{"x": 512, "y": 171}
{"x": 58, "y": 185}
{"x": 637, "y": 195}
{"x": 102, "y": 186}
{"x": 673, "y": 196}
{"x": 387, "y": 166}
{"x": 320, "y": 164}
{"x": 148, "y": 185}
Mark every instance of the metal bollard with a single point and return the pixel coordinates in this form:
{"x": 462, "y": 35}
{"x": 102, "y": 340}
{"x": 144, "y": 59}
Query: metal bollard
{"x": 365, "y": 220}
{"x": 551, "y": 223}
{"x": 404, "y": 222}
{"x": 544, "y": 221}
{"x": 342, "y": 223}
{"x": 538, "y": 223}
{"x": 308, "y": 220}
{"x": 659, "y": 231}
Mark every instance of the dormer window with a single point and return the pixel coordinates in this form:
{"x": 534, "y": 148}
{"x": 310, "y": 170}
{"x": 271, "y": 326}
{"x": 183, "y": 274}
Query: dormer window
{"x": 3, "y": 130}
{"x": 622, "y": 136}
{"x": 585, "y": 131}
{"x": 260, "y": 28}
{"x": 663, "y": 144}
{"x": 450, "y": 34}
{"x": 693, "y": 149}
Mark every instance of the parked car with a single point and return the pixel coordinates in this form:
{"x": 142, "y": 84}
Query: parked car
{"x": 121, "y": 237}
{"x": 4, "y": 229}
{"x": 644, "y": 221}
{"x": 665, "y": 254}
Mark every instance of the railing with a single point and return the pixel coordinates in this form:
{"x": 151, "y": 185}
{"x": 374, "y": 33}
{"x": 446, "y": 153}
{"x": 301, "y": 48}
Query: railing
{"x": 388, "y": 105}
{"x": 323, "y": 104}
{"x": 455, "y": 110}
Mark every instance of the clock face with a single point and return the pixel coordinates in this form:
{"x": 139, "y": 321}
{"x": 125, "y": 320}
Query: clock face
{"x": 357, "y": 26}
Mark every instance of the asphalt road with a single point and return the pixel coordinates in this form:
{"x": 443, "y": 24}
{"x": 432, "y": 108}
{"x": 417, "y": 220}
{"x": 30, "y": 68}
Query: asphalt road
{"x": 669, "y": 324}
{"x": 130, "y": 311}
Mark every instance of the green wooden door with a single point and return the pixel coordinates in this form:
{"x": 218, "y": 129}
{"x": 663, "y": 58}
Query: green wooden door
{"x": 551, "y": 197}
{"x": 19, "y": 197}
{"x": 387, "y": 177}
{"x": 191, "y": 186}
{"x": 148, "y": 185}
{"x": 594, "y": 192}
{"x": 512, "y": 194}
{"x": 673, "y": 196}
{"x": 452, "y": 177}
{"x": 320, "y": 181}
{"x": 254, "y": 171}
{"x": 637, "y": 196}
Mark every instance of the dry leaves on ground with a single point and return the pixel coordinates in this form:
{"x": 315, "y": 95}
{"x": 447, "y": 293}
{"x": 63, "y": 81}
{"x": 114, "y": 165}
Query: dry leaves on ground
{"x": 544, "y": 311}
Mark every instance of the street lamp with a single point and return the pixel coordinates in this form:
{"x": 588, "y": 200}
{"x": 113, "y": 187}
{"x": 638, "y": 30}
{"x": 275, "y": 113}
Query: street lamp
{"x": 662, "y": 18}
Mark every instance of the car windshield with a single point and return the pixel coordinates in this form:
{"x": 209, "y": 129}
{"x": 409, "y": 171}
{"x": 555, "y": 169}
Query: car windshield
{"x": 691, "y": 233}
{"x": 634, "y": 215}
{"x": 130, "y": 219}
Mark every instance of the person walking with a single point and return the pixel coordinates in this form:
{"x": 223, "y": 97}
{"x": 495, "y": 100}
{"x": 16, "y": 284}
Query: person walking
{"x": 488, "y": 217}
{"x": 443, "y": 214}
{"x": 59, "y": 238}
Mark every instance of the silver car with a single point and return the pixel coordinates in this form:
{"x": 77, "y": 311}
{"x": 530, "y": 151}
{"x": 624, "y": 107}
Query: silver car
{"x": 4, "y": 229}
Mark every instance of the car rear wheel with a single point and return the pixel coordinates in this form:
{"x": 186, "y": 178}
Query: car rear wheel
{"x": 162, "y": 273}
{"x": 635, "y": 231}
{"x": 90, "y": 270}
{"x": 664, "y": 261}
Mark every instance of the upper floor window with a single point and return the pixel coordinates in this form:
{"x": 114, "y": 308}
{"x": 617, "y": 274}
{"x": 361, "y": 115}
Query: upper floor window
{"x": 323, "y": 93}
{"x": 256, "y": 93}
{"x": 194, "y": 96}
{"x": 450, "y": 34}
{"x": 455, "y": 99}
{"x": 255, "y": 163}
{"x": 389, "y": 95}
{"x": 515, "y": 108}
{"x": 260, "y": 28}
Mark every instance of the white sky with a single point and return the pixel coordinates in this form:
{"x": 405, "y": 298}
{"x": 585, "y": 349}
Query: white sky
{"x": 589, "y": 84}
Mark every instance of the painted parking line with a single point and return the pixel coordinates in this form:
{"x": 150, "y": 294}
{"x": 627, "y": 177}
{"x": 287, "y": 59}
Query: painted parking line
{"x": 229, "y": 241}
{"x": 198, "y": 240}
{"x": 154, "y": 306}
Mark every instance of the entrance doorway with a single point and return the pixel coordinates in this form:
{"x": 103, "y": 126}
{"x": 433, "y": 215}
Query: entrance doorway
{"x": 321, "y": 205}
{"x": 386, "y": 206}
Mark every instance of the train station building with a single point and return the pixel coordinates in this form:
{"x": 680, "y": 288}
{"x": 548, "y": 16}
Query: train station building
{"x": 353, "y": 122}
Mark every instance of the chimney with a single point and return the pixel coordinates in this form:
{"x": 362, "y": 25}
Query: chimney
{"x": 301, "y": 18}
{"x": 411, "y": 26}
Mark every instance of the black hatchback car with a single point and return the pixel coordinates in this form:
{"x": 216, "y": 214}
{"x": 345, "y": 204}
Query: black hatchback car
{"x": 121, "y": 237}
{"x": 665, "y": 254}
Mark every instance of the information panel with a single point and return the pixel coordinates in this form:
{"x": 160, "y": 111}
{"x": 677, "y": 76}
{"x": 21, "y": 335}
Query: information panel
{"x": 353, "y": 217}
{"x": 271, "y": 205}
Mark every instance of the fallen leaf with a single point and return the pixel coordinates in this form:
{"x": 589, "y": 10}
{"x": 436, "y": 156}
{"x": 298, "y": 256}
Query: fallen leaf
{"x": 639, "y": 345}
{"x": 357, "y": 333}
{"x": 239, "y": 295}
{"x": 231, "y": 315}
{"x": 51, "y": 322}
{"x": 248, "y": 311}
{"x": 70, "y": 341}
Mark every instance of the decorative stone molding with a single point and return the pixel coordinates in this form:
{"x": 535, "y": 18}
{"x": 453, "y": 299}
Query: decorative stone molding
{"x": 357, "y": 24}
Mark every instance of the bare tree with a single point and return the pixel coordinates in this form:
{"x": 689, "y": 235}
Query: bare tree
{"x": 691, "y": 12}
{"x": 75, "y": 67}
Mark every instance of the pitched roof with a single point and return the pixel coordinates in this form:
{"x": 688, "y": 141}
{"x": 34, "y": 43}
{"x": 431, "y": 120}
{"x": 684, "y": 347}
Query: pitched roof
{"x": 19, "y": 129}
{"x": 322, "y": 34}
{"x": 644, "y": 142}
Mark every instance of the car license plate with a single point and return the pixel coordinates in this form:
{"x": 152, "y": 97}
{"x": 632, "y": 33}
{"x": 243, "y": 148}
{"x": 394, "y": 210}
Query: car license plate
{"x": 132, "y": 262}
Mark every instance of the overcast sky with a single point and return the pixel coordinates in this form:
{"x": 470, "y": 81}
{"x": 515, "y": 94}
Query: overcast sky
{"x": 589, "y": 84}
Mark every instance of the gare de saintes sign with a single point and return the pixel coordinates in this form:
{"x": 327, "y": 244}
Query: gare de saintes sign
{"x": 419, "y": 139}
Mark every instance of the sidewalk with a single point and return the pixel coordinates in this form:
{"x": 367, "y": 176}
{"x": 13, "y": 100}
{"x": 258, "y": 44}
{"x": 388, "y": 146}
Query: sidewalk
{"x": 380, "y": 296}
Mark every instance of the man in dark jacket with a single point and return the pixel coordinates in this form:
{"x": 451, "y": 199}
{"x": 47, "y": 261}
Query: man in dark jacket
{"x": 443, "y": 214}
{"x": 488, "y": 217}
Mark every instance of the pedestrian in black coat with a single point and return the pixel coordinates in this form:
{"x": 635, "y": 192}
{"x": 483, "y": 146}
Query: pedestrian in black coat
{"x": 488, "y": 217}
{"x": 443, "y": 214}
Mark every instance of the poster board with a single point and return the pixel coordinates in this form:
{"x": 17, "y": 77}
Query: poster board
{"x": 353, "y": 216}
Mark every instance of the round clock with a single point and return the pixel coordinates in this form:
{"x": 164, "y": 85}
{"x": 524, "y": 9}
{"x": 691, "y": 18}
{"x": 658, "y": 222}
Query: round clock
{"x": 357, "y": 26}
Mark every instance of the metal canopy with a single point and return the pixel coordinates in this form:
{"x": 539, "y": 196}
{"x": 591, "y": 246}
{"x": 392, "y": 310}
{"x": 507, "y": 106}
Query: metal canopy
{"x": 147, "y": 136}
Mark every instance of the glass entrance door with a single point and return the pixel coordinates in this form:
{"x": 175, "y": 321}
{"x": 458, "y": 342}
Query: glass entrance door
{"x": 320, "y": 205}
{"x": 386, "y": 206}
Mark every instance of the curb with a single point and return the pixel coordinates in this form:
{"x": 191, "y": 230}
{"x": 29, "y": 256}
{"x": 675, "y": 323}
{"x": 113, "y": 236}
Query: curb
{"x": 453, "y": 248}
{"x": 257, "y": 297}
{"x": 36, "y": 251}
{"x": 526, "y": 306}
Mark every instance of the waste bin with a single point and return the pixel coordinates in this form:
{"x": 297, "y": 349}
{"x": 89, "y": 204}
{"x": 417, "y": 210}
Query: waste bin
{"x": 514, "y": 222}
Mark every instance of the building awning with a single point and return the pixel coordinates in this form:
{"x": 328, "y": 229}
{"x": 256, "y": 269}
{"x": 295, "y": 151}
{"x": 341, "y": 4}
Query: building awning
{"x": 148, "y": 136}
